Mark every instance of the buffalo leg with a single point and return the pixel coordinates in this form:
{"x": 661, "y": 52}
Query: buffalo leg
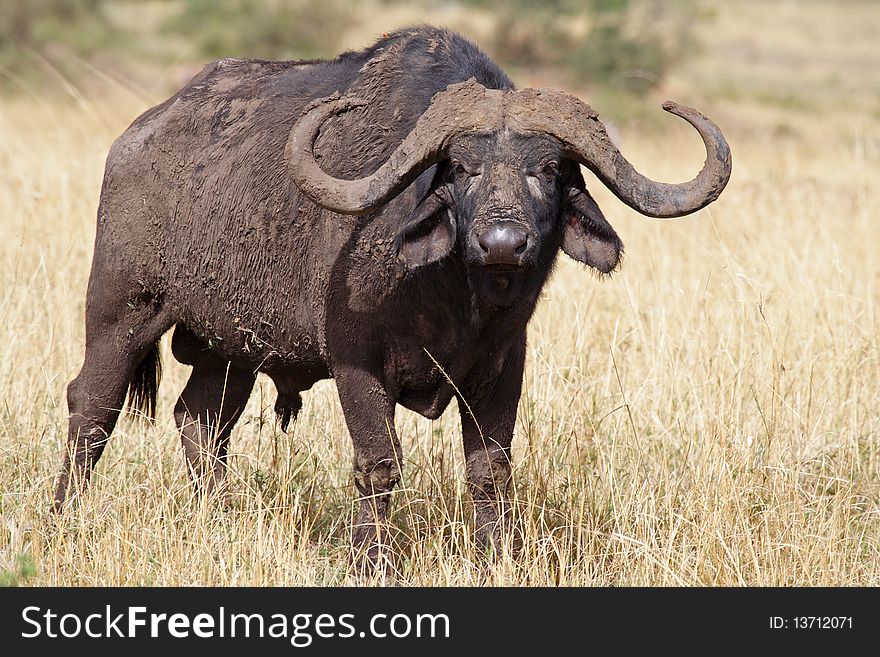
{"x": 369, "y": 414}
{"x": 115, "y": 346}
{"x": 488, "y": 416}
{"x": 205, "y": 413}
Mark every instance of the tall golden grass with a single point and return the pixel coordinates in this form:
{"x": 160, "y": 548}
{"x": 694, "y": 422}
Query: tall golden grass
{"x": 708, "y": 416}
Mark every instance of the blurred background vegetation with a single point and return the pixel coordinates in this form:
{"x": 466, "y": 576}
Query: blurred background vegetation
{"x": 775, "y": 67}
{"x": 625, "y": 45}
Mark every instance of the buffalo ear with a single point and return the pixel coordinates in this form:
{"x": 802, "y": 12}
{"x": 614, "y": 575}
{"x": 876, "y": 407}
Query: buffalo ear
{"x": 429, "y": 232}
{"x": 588, "y": 237}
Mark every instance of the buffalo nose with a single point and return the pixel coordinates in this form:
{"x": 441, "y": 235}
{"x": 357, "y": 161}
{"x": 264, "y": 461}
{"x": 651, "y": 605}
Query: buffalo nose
{"x": 502, "y": 244}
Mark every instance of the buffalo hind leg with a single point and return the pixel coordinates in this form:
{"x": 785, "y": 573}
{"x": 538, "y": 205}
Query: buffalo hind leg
{"x": 116, "y": 347}
{"x": 205, "y": 413}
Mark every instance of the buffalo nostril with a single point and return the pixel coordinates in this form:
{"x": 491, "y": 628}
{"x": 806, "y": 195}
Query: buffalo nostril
{"x": 503, "y": 243}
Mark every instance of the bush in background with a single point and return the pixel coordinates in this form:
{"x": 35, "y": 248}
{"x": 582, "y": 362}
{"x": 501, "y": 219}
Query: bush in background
{"x": 37, "y": 36}
{"x": 625, "y": 45}
{"x": 265, "y": 29}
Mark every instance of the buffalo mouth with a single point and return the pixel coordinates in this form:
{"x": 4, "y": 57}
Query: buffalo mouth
{"x": 503, "y": 273}
{"x": 500, "y": 269}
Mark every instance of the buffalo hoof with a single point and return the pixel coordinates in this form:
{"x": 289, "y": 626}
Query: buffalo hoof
{"x": 371, "y": 560}
{"x": 497, "y": 536}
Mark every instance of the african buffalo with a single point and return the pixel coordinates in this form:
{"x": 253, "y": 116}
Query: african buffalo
{"x": 387, "y": 218}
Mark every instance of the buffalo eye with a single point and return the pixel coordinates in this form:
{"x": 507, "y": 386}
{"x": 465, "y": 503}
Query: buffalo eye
{"x": 548, "y": 172}
{"x": 460, "y": 171}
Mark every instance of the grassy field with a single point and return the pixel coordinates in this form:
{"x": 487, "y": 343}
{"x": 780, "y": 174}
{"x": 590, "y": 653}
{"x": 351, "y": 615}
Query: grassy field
{"x": 709, "y": 416}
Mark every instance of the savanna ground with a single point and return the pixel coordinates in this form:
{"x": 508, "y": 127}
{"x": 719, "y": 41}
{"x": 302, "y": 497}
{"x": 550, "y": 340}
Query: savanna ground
{"x": 708, "y": 416}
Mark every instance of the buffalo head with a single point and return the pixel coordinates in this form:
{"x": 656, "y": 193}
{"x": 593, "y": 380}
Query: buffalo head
{"x": 507, "y": 190}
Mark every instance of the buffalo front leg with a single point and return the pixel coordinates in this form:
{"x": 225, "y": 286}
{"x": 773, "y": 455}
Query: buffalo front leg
{"x": 205, "y": 413}
{"x": 369, "y": 415}
{"x": 488, "y": 415}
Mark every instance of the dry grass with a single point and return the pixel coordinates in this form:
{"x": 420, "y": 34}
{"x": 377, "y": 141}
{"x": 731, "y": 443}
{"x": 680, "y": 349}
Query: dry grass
{"x": 707, "y": 417}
